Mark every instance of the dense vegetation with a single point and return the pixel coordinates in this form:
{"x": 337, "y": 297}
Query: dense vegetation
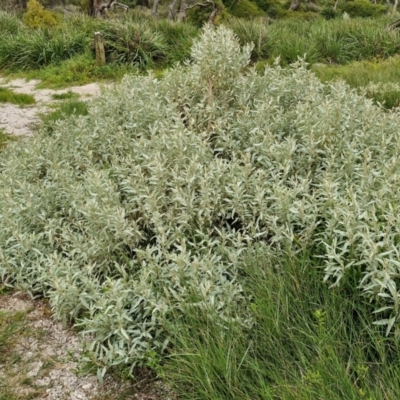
{"x": 229, "y": 221}
{"x": 141, "y": 41}
{"x": 63, "y": 54}
{"x": 199, "y": 11}
{"x": 138, "y": 219}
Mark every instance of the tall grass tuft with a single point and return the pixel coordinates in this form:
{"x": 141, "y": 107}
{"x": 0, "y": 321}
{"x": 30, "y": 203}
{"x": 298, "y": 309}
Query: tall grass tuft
{"x": 305, "y": 341}
{"x": 8, "y": 96}
{"x": 134, "y": 43}
{"x": 9, "y": 23}
{"x": 333, "y": 41}
{"x": 256, "y": 31}
{"x": 32, "y": 49}
{"x": 147, "y": 43}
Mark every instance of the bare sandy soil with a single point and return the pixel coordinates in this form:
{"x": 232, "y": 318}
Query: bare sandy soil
{"x": 16, "y": 120}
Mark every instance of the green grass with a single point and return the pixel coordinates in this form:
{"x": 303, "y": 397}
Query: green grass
{"x": 64, "y": 96}
{"x": 307, "y": 342}
{"x": 70, "y": 106}
{"x": 65, "y": 55}
{"x": 4, "y": 139}
{"x": 8, "y": 96}
{"x": 79, "y": 70}
{"x": 11, "y": 327}
{"x": 335, "y": 41}
{"x": 380, "y": 78}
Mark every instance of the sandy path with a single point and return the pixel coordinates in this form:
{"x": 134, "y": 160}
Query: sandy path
{"x": 20, "y": 121}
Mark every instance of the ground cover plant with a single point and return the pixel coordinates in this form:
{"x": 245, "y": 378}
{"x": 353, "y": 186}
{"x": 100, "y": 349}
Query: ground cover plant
{"x": 141, "y": 210}
{"x": 8, "y": 96}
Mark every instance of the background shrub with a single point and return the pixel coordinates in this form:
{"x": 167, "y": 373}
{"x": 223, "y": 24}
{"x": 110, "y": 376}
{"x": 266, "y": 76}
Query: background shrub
{"x": 37, "y": 17}
{"x": 246, "y": 9}
{"x": 329, "y": 13}
{"x": 363, "y": 8}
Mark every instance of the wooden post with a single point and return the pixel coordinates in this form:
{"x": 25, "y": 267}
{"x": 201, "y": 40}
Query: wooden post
{"x": 99, "y": 45}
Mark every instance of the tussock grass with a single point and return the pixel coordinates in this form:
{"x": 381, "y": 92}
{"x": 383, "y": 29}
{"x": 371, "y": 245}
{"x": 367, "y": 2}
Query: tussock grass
{"x": 31, "y": 49}
{"x": 334, "y": 41}
{"x": 8, "y": 96}
{"x": 9, "y": 23}
{"x": 305, "y": 341}
{"x": 145, "y": 43}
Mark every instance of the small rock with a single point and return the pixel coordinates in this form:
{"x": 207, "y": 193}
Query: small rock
{"x": 34, "y": 369}
{"x": 77, "y": 396}
{"x": 88, "y": 386}
{"x": 43, "y": 382}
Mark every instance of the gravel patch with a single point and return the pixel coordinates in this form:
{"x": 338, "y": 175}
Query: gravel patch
{"x": 20, "y": 121}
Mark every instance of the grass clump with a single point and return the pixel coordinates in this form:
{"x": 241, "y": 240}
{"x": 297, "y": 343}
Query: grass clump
{"x": 8, "y": 96}
{"x": 11, "y": 328}
{"x": 331, "y": 41}
{"x": 142, "y": 209}
{"x": 363, "y": 8}
{"x": 304, "y": 341}
{"x": 64, "y": 96}
{"x": 70, "y": 107}
{"x": 36, "y": 49}
{"x": 9, "y": 23}
{"x": 78, "y": 70}
{"x": 4, "y": 139}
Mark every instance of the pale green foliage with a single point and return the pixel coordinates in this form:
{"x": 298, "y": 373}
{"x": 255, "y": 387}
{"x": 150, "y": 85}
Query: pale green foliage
{"x": 145, "y": 204}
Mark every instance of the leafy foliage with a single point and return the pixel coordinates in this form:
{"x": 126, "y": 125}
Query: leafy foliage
{"x": 144, "y": 206}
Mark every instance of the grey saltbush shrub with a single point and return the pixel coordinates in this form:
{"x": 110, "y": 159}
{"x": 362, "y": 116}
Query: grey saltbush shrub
{"x": 146, "y": 204}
